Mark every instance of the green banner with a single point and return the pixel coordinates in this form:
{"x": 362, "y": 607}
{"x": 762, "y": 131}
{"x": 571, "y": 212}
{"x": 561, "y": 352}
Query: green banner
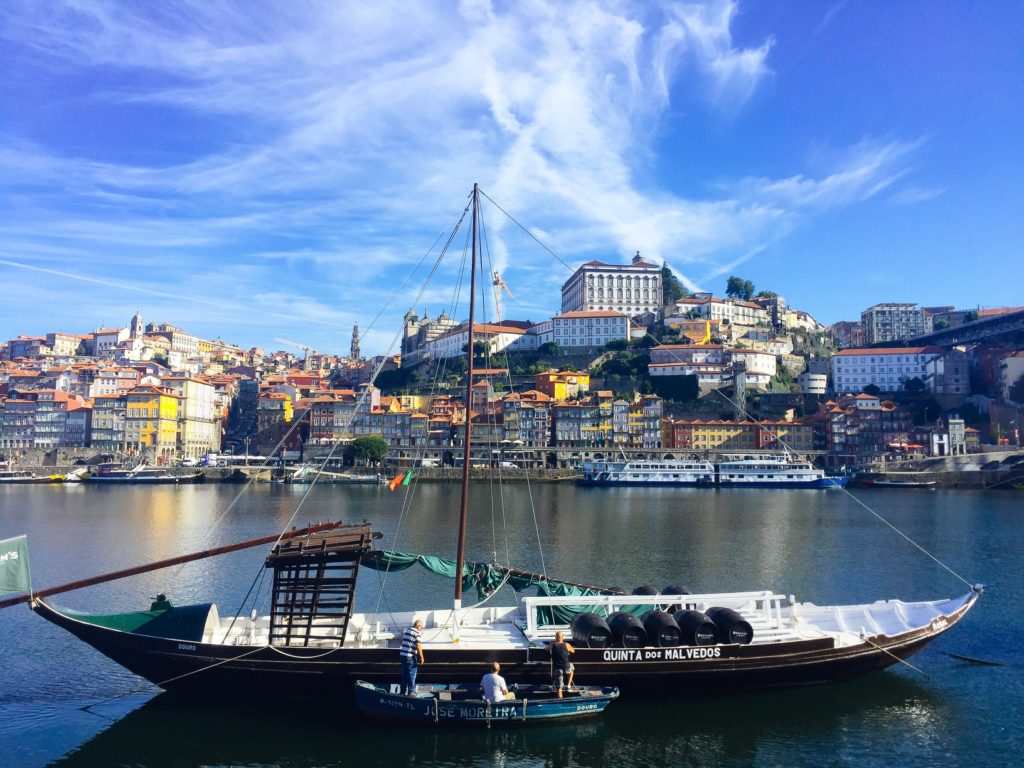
{"x": 14, "y": 575}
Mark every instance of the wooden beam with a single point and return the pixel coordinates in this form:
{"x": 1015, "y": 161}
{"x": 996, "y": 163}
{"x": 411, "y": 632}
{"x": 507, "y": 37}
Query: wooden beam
{"x": 113, "y": 576}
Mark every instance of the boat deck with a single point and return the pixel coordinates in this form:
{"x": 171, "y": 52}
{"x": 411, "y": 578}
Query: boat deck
{"x": 774, "y": 618}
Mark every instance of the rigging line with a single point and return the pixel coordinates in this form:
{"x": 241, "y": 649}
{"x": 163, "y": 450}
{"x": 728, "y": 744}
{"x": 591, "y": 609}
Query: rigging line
{"x": 528, "y": 232}
{"x": 890, "y": 653}
{"x": 407, "y": 500}
{"x": 366, "y": 391}
{"x": 252, "y": 478}
{"x": 174, "y": 679}
{"x": 744, "y": 411}
{"x": 508, "y": 377}
{"x": 409, "y": 274}
{"x": 491, "y": 420}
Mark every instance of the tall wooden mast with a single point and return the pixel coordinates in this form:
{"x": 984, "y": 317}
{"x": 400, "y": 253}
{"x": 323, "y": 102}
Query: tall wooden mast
{"x": 464, "y": 507}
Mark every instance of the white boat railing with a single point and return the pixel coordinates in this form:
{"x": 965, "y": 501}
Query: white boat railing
{"x": 763, "y": 609}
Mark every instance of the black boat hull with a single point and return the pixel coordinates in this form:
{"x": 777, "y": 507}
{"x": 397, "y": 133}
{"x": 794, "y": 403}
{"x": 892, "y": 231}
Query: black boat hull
{"x": 213, "y": 671}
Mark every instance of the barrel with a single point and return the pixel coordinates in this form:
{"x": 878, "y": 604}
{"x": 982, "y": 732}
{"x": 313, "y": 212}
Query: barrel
{"x": 732, "y": 628}
{"x": 590, "y": 630}
{"x": 662, "y": 630}
{"x": 627, "y": 630}
{"x": 676, "y": 589}
{"x": 696, "y": 628}
{"x": 646, "y": 589}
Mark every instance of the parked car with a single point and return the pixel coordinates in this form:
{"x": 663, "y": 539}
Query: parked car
{"x": 189, "y": 462}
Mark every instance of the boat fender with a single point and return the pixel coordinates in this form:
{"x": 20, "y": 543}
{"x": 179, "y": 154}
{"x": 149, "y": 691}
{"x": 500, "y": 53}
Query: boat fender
{"x": 662, "y": 630}
{"x": 627, "y": 630}
{"x": 732, "y": 627}
{"x": 696, "y": 628}
{"x": 646, "y": 589}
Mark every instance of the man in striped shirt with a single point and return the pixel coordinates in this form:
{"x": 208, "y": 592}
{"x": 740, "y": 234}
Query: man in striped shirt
{"x": 411, "y": 656}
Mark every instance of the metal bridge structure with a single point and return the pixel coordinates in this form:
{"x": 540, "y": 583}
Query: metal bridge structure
{"x": 969, "y": 333}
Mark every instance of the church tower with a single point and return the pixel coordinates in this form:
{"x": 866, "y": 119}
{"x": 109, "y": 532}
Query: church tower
{"x": 354, "y": 352}
{"x": 136, "y": 329}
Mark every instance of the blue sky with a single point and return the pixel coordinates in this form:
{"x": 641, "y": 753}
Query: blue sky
{"x": 272, "y": 172}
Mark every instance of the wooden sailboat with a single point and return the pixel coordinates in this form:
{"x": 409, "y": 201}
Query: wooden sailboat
{"x": 312, "y": 643}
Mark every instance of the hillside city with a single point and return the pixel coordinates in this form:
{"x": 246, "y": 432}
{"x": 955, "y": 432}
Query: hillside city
{"x": 632, "y": 364}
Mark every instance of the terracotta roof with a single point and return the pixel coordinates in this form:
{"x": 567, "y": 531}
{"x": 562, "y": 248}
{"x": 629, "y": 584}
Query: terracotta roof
{"x": 590, "y": 313}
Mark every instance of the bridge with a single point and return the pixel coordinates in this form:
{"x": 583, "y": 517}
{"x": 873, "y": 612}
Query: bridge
{"x": 969, "y": 333}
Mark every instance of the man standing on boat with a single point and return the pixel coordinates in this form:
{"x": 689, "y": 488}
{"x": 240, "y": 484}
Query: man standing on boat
{"x": 561, "y": 668}
{"x": 411, "y": 655}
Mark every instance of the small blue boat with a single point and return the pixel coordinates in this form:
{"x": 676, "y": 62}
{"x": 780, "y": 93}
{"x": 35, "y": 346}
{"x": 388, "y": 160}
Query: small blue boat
{"x": 464, "y": 703}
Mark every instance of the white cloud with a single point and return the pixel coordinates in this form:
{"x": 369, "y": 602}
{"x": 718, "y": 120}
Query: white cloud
{"x": 330, "y": 141}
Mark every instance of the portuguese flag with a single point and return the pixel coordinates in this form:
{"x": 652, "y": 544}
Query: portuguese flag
{"x": 402, "y": 478}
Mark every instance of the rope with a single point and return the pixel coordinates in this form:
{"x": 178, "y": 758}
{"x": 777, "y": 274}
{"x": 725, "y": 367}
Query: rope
{"x": 889, "y": 653}
{"x": 163, "y": 683}
{"x": 742, "y": 410}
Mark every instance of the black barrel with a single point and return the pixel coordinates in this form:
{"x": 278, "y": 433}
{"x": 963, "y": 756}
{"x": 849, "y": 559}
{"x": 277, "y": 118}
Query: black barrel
{"x": 732, "y": 628}
{"x": 646, "y": 589}
{"x": 627, "y": 630}
{"x": 662, "y": 630}
{"x": 696, "y": 628}
{"x": 676, "y": 589}
{"x": 590, "y": 630}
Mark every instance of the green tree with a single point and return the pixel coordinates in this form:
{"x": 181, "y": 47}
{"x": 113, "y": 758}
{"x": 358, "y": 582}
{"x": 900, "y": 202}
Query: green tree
{"x": 738, "y": 288}
{"x": 550, "y": 348}
{"x": 675, "y": 387}
{"x": 871, "y": 389}
{"x": 616, "y": 345}
{"x": 914, "y": 386}
{"x": 672, "y": 286}
{"x": 371, "y": 450}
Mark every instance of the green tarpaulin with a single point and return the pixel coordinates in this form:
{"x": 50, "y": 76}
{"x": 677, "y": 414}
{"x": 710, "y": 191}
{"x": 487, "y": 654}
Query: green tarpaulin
{"x": 14, "y": 573}
{"x": 487, "y": 578}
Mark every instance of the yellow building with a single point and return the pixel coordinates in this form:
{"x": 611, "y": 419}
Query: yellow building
{"x": 151, "y": 423}
{"x": 562, "y": 385}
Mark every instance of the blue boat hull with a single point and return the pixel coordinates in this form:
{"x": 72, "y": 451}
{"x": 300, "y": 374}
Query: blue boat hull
{"x": 453, "y": 704}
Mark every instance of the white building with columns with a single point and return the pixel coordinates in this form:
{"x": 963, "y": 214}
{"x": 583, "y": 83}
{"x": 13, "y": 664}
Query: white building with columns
{"x": 631, "y": 289}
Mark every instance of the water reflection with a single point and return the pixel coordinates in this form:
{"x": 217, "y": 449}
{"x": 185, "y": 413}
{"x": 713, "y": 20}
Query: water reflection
{"x": 793, "y": 727}
{"x": 820, "y": 546}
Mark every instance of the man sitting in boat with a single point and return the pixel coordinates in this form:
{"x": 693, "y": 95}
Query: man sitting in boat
{"x": 495, "y": 688}
{"x": 411, "y": 656}
{"x": 562, "y": 669}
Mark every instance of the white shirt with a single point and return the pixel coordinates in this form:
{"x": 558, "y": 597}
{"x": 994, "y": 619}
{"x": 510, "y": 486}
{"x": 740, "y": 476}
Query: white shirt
{"x": 494, "y": 687}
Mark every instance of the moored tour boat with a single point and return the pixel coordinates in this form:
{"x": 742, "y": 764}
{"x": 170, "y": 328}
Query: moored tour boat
{"x": 768, "y": 470}
{"x": 140, "y": 474}
{"x": 458, "y": 704}
{"x": 773, "y": 470}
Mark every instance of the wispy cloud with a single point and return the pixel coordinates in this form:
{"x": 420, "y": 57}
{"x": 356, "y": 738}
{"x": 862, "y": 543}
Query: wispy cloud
{"x": 328, "y": 143}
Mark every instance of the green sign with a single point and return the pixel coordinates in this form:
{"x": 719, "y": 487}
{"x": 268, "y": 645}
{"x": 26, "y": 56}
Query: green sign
{"x": 14, "y": 575}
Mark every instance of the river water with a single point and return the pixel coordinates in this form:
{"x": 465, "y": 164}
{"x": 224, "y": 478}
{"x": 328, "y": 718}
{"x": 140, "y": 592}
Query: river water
{"x": 822, "y": 546}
